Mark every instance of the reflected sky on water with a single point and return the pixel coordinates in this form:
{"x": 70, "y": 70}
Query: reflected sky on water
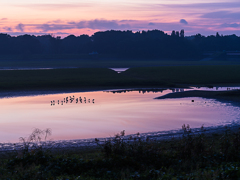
{"x": 111, "y": 112}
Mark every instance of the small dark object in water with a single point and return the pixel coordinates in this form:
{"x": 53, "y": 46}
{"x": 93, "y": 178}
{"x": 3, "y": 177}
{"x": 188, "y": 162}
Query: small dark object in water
{"x": 192, "y": 100}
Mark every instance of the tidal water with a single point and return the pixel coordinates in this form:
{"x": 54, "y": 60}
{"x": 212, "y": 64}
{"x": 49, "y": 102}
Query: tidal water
{"x": 119, "y": 70}
{"x": 105, "y": 113}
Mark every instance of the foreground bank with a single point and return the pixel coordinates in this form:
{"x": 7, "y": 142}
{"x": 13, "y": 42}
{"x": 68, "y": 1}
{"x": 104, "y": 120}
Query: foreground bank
{"x": 190, "y": 156}
{"x": 103, "y": 78}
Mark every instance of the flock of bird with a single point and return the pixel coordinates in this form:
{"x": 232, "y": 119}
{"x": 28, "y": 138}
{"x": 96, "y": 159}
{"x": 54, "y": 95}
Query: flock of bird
{"x": 70, "y": 99}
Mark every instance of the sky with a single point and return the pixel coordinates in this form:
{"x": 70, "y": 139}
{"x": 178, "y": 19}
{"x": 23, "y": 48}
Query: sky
{"x": 65, "y": 17}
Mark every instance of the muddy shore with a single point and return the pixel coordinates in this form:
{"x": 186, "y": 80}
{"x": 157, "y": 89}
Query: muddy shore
{"x": 231, "y": 95}
{"x": 91, "y": 142}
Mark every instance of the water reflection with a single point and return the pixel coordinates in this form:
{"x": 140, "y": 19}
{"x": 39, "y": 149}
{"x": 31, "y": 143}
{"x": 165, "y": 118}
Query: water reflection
{"x": 23, "y": 69}
{"x": 143, "y": 91}
{"x": 156, "y": 90}
{"x": 217, "y": 88}
{"x": 130, "y": 111}
{"x": 177, "y": 90}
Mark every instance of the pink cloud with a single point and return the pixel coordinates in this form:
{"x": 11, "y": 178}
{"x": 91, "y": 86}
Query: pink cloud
{"x": 231, "y": 25}
{"x": 55, "y": 7}
{"x": 204, "y": 26}
{"x": 92, "y": 24}
{"x": 20, "y": 27}
{"x": 217, "y": 5}
{"x": 183, "y": 21}
{"x": 222, "y": 15}
{"x": 8, "y": 29}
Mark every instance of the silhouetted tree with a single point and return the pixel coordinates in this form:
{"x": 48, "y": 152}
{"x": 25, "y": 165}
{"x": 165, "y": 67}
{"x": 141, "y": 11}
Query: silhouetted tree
{"x": 151, "y": 44}
{"x": 5, "y": 44}
{"x": 177, "y": 33}
{"x": 182, "y": 33}
{"x": 173, "y": 33}
{"x": 26, "y": 44}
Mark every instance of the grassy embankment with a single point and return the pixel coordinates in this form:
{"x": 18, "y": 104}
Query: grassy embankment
{"x": 193, "y": 156}
{"x": 102, "y": 78}
{"x": 62, "y": 61}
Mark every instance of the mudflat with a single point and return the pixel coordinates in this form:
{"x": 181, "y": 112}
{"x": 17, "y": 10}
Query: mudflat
{"x": 231, "y": 95}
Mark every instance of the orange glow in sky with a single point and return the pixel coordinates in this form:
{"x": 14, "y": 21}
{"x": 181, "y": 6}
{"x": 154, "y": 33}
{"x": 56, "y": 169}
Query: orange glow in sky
{"x": 86, "y": 17}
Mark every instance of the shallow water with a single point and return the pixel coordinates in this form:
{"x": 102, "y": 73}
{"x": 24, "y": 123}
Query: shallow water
{"x": 108, "y": 114}
{"x": 22, "y": 69}
{"x": 119, "y": 70}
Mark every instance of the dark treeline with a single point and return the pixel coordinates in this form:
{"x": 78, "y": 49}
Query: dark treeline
{"x": 153, "y": 44}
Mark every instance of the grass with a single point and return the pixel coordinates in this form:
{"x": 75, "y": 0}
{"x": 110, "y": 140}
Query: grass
{"x": 102, "y": 78}
{"x": 192, "y": 156}
{"x": 212, "y": 74}
{"x": 51, "y": 61}
{"x": 56, "y": 78}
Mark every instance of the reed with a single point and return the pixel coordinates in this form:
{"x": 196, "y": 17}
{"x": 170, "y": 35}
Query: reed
{"x": 192, "y": 156}
{"x": 102, "y": 78}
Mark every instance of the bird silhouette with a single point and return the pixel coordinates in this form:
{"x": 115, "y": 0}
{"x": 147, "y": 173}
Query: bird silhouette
{"x": 71, "y": 99}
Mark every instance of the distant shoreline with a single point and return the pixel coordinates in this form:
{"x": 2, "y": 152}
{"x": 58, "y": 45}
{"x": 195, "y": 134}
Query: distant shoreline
{"x": 19, "y": 93}
{"x": 231, "y": 95}
{"x": 219, "y": 95}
